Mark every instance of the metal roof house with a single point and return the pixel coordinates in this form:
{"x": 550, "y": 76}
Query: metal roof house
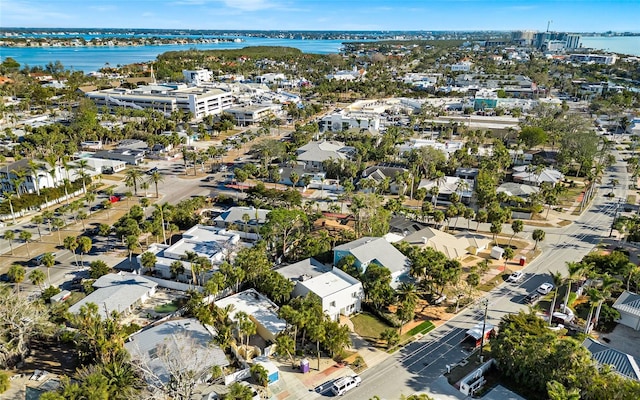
{"x": 378, "y": 250}
{"x": 628, "y": 305}
{"x": 621, "y": 363}
{"x": 185, "y": 339}
{"x": 117, "y": 292}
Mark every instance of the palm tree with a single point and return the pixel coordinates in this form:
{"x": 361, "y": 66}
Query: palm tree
{"x": 10, "y": 236}
{"x": 608, "y": 283}
{"x": 176, "y": 268}
{"x": 595, "y": 296}
{"x": 155, "y": 178}
{"x": 84, "y": 244}
{"x": 48, "y": 260}
{"x": 17, "y": 274}
{"x": 9, "y": 195}
{"x": 37, "y": 220}
{"x": 58, "y": 224}
{"x": 576, "y": 271}
{"x": 37, "y": 277}
{"x": 538, "y": 235}
{"x": 407, "y": 293}
{"x": 71, "y": 244}
{"x": 88, "y": 199}
{"x": 132, "y": 178}
{"x": 33, "y": 169}
{"x": 25, "y": 236}
{"x": 557, "y": 281}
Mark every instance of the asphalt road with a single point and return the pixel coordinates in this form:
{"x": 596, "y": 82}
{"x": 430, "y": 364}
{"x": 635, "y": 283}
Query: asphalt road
{"x": 416, "y": 366}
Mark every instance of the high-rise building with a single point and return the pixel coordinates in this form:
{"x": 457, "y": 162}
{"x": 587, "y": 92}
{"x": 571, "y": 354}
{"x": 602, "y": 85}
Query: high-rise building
{"x": 573, "y": 41}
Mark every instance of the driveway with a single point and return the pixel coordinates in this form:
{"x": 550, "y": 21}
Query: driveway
{"x": 623, "y": 339}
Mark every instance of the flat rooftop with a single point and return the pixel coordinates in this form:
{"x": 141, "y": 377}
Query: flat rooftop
{"x": 328, "y": 283}
{"x": 258, "y": 306}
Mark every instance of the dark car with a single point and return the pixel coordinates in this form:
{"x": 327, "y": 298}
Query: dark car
{"x": 532, "y": 298}
{"x": 152, "y": 170}
{"x": 5, "y": 278}
{"x": 36, "y": 261}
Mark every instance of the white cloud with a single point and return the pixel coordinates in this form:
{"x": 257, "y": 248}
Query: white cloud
{"x": 249, "y": 5}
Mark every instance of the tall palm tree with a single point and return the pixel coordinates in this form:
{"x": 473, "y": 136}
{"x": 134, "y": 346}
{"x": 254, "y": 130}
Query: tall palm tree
{"x": 595, "y": 296}
{"x": 10, "y": 236}
{"x": 34, "y": 168}
{"x": 557, "y": 281}
{"x": 576, "y": 271}
{"x": 132, "y": 178}
{"x": 155, "y": 178}
{"x": 608, "y": 283}
{"x": 9, "y": 195}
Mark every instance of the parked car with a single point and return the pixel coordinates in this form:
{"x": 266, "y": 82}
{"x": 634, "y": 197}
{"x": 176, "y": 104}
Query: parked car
{"x": 532, "y": 297}
{"x": 343, "y": 385}
{"x": 152, "y": 170}
{"x": 545, "y": 288}
{"x": 36, "y": 261}
{"x": 515, "y": 277}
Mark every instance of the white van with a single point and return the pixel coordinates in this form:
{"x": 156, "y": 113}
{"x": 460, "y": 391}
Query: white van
{"x": 343, "y": 385}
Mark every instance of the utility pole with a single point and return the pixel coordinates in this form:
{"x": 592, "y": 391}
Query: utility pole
{"x": 615, "y": 216}
{"x": 484, "y": 326}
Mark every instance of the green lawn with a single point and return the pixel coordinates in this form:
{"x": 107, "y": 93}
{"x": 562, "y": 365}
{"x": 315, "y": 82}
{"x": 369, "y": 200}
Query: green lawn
{"x": 369, "y": 326}
{"x": 425, "y": 327}
{"x": 166, "y": 308}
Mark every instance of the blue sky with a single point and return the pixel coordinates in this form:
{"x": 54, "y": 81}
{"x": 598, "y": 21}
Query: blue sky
{"x": 567, "y": 15}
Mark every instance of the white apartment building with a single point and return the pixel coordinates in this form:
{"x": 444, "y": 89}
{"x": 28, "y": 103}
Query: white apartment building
{"x": 198, "y": 76}
{"x": 250, "y": 114}
{"x": 197, "y": 100}
{"x": 342, "y": 121}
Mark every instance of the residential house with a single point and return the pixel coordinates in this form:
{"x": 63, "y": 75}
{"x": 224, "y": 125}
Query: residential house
{"x": 262, "y": 311}
{"x": 185, "y": 340}
{"x": 530, "y": 175}
{"x": 378, "y": 173}
{"x": 628, "y": 305}
{"x": 352, "y": 75}
{"x": 451, "y": 246}
{"x": 449, "y": 185}
{"x": 367, "y": 250}
{"x": 235, "y": 217}
{"x": 518, "y": 189}
{"x": 449, "y": 147}
{"x": 404, "y": 226}
{"x": 339, "y": 292}
{"x": 131, "y": 157}
{"x": 621, "y": 363}
{"x": 467, "y": 173}
{"x": 215, "y": 244}
{"x": 313, "y": 154}
{"x": 117, "y": 292}
{"x": 476, "y": 242}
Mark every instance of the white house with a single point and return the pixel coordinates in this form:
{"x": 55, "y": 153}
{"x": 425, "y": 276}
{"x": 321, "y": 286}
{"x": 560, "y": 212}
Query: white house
{"x": 449, "y": 185}
{"x": 339, "y": 292}
{"x": 528, "y": 174}
{"x": 117, "y": 292}
{"x": 628, "y": 305}
{"x": 313, "y": 154}
{"x": 216, "y": 244}
{"x": 262, "y": 311}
